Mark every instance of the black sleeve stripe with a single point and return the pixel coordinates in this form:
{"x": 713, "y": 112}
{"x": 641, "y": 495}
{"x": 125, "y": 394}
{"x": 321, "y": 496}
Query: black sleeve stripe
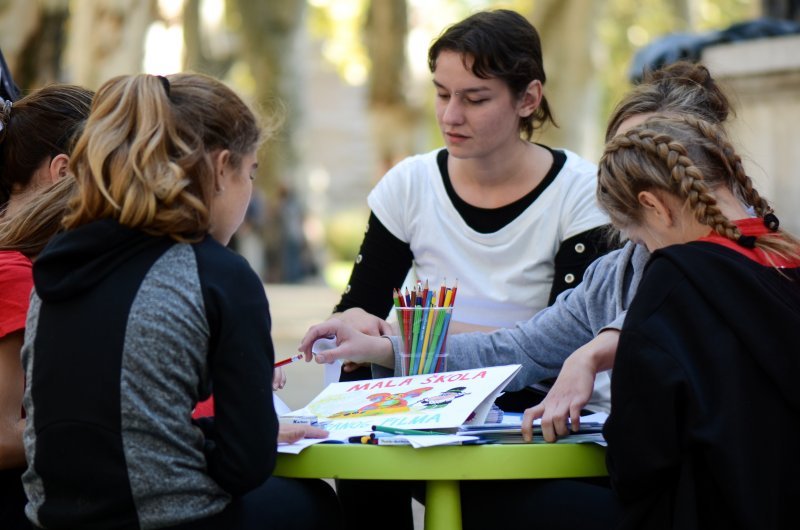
{"x": 381, "y": 265}
{"x": 574, "y": 256}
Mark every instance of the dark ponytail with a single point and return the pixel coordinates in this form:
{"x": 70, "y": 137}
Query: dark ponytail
{"x": 40, "y": 125}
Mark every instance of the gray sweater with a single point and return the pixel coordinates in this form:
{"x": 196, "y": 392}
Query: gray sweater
{"x": 542, "y": 343}
{"x": 126, "y": 333}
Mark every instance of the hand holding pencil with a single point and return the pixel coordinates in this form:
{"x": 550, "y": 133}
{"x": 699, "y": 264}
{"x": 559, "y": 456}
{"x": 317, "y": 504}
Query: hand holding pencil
{"x": 351, "y": 345}
{"x": 295, "y": 358}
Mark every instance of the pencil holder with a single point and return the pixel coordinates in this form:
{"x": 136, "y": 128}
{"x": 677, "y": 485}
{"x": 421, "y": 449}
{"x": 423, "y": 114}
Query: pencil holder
{"x": 423, "y": 339}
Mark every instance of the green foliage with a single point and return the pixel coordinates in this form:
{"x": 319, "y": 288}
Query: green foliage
{"x": 339, "y": 25}
{"x": 631, "y": 24}
{"x": 344, "y": 232}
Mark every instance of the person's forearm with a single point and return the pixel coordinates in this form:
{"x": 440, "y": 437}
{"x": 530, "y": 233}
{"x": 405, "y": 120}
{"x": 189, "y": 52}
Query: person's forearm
{"x": 463, "y": 327}
{"x": 602, "y": 350}
{"x": 384, "y": 261}
{"x": 384, "y": 352}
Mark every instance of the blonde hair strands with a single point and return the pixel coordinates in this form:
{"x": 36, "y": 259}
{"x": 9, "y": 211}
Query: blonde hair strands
{"x": 686, "y": 157}
{"x": 145, "y": 156}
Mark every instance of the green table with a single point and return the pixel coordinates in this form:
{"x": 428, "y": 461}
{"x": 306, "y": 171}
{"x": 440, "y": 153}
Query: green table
{"x": 443, "y": 467}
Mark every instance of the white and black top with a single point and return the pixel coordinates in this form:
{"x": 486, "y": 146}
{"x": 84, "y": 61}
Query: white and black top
{"x": 510, "y": 262}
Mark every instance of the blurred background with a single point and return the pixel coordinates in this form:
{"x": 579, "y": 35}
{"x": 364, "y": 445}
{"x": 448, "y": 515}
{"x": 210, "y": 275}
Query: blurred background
{"x": 352, "y": 79}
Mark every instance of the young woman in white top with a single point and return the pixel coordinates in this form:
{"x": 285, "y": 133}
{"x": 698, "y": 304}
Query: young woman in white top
{"x": 513, "y": 221}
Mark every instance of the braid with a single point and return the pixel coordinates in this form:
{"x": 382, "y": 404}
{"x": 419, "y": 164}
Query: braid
{"x": 724, "y": 149}
{"x": 686, "y": 179}
{"x": 668, "y": 154}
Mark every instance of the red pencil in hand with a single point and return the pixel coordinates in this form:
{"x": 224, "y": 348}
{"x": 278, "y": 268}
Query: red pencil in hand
{"x": 298, "y": 357}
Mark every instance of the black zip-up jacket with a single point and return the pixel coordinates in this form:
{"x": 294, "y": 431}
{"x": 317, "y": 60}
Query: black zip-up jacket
{"x": 126, "y": 333}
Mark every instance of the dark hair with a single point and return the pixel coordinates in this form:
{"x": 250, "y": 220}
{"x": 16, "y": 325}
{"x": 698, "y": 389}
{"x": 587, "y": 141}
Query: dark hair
{"x": 504, "y": 45}
{"x": 40, "y": 125}
{"x": 680, "y": 88}
{"x": 38, "y": 220}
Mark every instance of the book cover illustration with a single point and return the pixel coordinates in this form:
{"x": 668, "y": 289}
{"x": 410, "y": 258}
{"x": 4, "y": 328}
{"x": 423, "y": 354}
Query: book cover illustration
{"x": 432, "y": 401}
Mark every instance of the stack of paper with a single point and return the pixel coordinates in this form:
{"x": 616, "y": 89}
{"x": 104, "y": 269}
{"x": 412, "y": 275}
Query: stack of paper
{"x": 590, "y": 431}
{"x": 443, "y": 408}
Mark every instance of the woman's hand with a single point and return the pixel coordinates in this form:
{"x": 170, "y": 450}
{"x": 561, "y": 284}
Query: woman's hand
{"x": 366, "y": 323}
{"x": 350, "y": 344}
{"x": 290, "y": 433}
{"x": 573, "y": 388}
{"x": 278, "y": 378}
{"x": 357, "y": 318}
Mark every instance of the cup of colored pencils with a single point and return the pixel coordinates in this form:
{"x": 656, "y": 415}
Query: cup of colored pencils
{"x": 423, "y": 317}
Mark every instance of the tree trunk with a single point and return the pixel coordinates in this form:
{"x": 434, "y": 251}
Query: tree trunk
{"x": 19, "y": 22}
{"x": 391, "y": 119}
{"x": 568, "y": 34}
{"x": 107, "y": 38}
{"x": 39, "y": 62}
{"x": 199, "y": 57}
{"x": 268, "y": 30}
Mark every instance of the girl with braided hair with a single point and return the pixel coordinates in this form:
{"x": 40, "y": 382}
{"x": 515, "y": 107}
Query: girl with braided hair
{"x": 600, "y": 303}
{"x": 709, "y": 345}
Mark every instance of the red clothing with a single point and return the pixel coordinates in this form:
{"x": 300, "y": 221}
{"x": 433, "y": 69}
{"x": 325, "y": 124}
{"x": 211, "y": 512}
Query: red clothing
{"x": 204, "y": 409}
{"x": 753, "y": 226}
{"x": 16, "y": 282}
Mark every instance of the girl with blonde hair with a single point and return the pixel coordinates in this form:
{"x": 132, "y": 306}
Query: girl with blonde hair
{"x": 139, "y": 311}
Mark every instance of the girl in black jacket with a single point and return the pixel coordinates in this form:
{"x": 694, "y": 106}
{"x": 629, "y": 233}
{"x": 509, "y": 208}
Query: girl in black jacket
{"x": 705, "y": 400}
{"x": 139, "y": 311}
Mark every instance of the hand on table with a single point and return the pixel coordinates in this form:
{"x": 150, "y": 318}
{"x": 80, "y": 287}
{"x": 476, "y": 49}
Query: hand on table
{"x": 290, "y": 433}
{"x": 572, "y": 389}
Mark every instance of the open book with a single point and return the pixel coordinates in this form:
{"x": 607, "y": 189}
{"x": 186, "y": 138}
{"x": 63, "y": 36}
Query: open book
{"x": 442, "y": 402}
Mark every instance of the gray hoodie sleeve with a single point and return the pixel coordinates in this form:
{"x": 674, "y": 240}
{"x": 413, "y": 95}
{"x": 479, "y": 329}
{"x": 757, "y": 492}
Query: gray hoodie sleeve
{"x": 542, "y": 343}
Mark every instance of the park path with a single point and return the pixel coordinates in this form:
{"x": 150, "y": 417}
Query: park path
{"x": 294, "y": 308}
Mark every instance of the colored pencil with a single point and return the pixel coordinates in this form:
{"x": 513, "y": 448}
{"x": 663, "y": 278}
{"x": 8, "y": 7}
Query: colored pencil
{"x": 298, "y": 357}
{"x": 423, "y": 320}
{"x": 407, "y": 432}
{"x": 398, "y": 302}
